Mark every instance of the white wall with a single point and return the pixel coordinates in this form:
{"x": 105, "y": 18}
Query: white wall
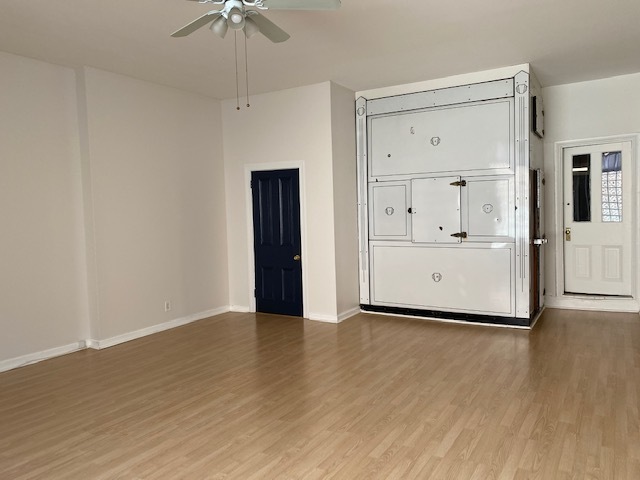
{"x": 345, "y": 208}
{"x": 42, "y": 271}
{"x": 159, "y": 220}
{"x": 281, "y": 128}
{"x": 592, "y": 109}
{"x": 577, "y": 111}
{"x": 291, "y": 129}
{"x": 111, "y": 202}
{"x": 113, "y": 199}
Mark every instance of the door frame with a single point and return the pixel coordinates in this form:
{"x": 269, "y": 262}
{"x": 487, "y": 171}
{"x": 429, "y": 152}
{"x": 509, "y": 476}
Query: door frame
{"x": 251, "y": 260}
{"x": 591, "y": 302}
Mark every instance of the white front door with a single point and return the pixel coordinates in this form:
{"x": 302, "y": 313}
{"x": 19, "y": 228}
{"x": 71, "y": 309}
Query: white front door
{"x": 597, "y": 219}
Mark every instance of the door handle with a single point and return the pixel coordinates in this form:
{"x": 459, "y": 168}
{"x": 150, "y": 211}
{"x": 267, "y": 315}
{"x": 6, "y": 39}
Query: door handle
{"x": 296, "y": 258}
{"x": 460, "y": 183}
{"x": 567, "y": 234}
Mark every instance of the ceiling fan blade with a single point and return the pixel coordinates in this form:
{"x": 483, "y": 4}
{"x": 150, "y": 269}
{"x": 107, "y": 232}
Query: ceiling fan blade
{"x": 301, "y": 4}
{"x": 268, "y": 28}
{"x": 196, "y": 24}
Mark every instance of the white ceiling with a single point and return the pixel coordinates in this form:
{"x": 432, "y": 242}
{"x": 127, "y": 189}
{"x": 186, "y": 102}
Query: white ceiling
{"x": 366, "y": 44}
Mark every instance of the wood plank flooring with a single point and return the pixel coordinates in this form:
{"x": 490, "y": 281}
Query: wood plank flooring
{"x": 245, "y": 396}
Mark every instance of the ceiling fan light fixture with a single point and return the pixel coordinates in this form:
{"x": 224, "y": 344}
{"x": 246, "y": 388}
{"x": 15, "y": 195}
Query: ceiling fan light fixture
{"x": 219, "y": 26}
{"x": 233, "y": 15}
{"x": 250, "y": 27}
{"x": 235, "y": 19}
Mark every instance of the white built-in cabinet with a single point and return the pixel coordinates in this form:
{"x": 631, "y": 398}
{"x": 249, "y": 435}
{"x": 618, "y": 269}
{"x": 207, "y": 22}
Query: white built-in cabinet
{"x": 450, "y": 202}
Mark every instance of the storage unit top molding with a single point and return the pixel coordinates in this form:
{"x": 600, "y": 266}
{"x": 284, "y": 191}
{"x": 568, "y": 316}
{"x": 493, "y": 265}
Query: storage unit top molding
{"x": 444, "y": 96}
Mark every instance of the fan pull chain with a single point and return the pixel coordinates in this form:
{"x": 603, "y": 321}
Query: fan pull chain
{"x": 235, "y": 41}
{"x": 246, "y": 68}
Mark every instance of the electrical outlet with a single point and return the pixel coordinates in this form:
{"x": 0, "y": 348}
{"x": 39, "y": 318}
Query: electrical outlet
{"x": 167, "y": 305}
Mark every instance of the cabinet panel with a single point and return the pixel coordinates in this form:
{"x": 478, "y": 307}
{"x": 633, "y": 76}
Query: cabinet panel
{"x": 471, "y": 279}
{"x": 476, "y": 137}
{"x": 388, "y": 210}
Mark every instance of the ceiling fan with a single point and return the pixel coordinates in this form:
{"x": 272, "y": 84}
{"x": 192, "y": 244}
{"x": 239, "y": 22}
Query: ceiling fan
{"x": 238, "y": 15}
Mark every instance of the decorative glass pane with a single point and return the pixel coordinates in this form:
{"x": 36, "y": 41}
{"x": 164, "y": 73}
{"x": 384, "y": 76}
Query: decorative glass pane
{"x": 612, "y": 187}
{"x": 581, "y": 188}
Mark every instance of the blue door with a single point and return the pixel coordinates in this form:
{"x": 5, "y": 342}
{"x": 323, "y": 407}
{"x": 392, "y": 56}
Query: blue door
{"x": 276, "y": 241}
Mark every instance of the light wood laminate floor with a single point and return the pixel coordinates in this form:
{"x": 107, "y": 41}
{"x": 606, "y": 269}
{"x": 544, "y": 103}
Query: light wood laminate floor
{"x": 247, "y": 396}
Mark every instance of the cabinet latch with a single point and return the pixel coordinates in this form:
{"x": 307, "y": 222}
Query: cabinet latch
{"x": 460, "y": 183}
{"x": 459, "y": 235}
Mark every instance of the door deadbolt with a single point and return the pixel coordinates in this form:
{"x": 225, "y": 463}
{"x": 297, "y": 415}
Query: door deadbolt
{"x": 296, "y": 258}
{"x": 567, "y": 234}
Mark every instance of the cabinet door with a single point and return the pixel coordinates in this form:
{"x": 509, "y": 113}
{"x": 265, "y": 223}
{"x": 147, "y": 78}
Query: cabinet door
{"x": 467, "y": 278}
{"x": 435, "y": 207}
{"x": 388, "y": 205}
{"x": 469, "y": 138}
{"x": 488, "y": 208}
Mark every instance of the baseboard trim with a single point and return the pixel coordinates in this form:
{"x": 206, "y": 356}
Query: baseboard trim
{"x": 143, "y": 332}
{"x": 36, "y": 357}
{"x": 321, "y": 317}
{"x": 239, "y": 309}
{"x": 16, "y": 362}
{"x": 600, "y": 304}
{"x": 348, "y": 314}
